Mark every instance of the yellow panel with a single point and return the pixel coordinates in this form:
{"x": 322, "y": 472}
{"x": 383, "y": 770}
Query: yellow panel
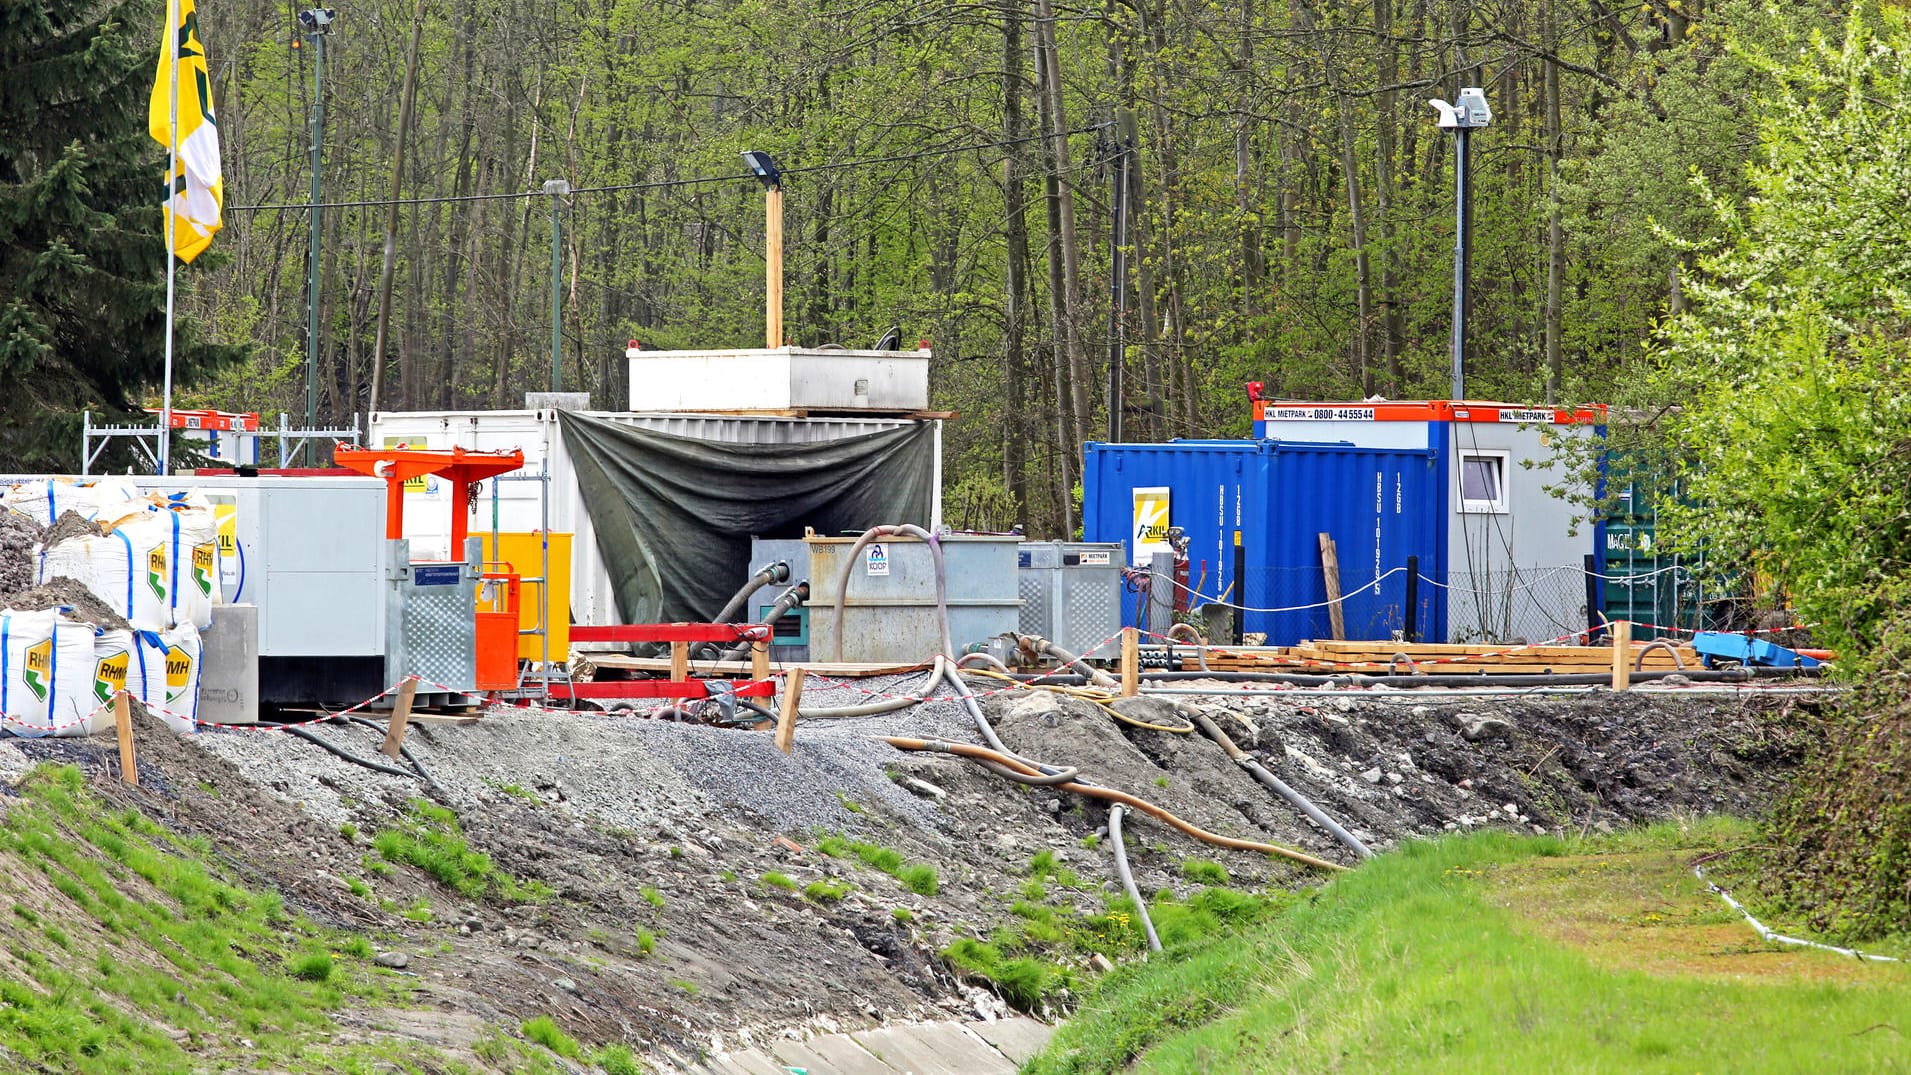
{"x": 521, "y": 552}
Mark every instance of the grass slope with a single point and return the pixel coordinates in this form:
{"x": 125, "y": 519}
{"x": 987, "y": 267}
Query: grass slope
{"x": 1495, "y": 953}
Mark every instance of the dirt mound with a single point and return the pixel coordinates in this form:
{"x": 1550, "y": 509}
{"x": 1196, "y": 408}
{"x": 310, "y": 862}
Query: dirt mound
{"x": 18, "y": 536}
{"x": 62, "y": 592}
{"x": 70, "y": 524}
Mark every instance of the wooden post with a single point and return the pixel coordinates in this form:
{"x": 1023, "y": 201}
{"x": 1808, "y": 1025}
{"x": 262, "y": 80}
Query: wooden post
{"x": 400, "y": 718}
{"x": 680, "y": 661}
{"x": 1130, "y": 662}
{"x": 123, "y": 727}
{"x": 786, "y": 717}
{"x": 759, "y": 660}
{"x": 773, "y": 267}
{"x": 1330, "y": 563}
{"x": 1621, "y": 654}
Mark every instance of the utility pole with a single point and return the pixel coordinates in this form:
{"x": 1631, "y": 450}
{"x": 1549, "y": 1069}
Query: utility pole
{"x": 318, "y": 26}
{"x": 1462, "y": 119}
{"x": 771, "y": 177}
{"x": 557, "y": 188}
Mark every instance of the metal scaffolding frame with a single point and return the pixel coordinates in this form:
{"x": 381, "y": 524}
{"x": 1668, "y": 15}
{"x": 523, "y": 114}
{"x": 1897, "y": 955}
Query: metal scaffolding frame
{"x": 291, "y": 441}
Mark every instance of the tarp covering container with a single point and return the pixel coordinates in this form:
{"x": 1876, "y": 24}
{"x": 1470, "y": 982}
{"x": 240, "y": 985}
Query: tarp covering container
{"x": 1379, "y": 505}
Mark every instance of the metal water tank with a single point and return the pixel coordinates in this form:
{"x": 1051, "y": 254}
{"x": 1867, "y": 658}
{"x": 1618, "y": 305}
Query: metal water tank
{"x": 890, "y": 612}
{"x": 1071, "y": 594}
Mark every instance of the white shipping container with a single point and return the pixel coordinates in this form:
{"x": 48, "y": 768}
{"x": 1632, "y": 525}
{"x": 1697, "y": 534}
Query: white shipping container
{"x": 781, "y": 378}
{"x": 536, "y": 433}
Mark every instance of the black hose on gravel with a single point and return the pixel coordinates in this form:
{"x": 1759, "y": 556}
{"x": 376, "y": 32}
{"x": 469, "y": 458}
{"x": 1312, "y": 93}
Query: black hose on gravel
{"x": 377, "y": 767}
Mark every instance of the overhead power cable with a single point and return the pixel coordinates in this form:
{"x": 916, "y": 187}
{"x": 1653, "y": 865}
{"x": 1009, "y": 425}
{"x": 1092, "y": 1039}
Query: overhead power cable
{"x": 665, "y": 184}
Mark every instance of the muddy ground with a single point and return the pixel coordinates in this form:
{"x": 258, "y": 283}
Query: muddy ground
{"x": 646, "y": 827}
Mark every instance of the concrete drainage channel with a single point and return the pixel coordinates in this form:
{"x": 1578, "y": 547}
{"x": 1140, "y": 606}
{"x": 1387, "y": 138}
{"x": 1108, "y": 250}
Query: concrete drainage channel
{"x": 975, "y": 1048}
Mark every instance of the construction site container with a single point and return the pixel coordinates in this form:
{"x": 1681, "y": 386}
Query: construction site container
{"x": 1071, "y": 594}
{"x": 514, "y": 505}
{"x": 781, "y": 378}
{"x": 1276, "y": 499}
{"x": 889, "y": 612}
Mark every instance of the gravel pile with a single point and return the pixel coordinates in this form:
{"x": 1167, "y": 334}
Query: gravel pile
{"x": 69, "y": 525}
{"x": 624, "y": 771}
{"x": 18, "y": 536}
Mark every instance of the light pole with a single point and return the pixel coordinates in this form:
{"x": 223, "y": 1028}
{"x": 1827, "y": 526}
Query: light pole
{"x": 766, "y": 173}
{"x": 557, "y": 188}
{"x": 317, "y": 23}
{"x": 1470, "y": 115}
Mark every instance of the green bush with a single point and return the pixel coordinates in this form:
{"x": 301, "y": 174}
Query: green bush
{"x": 1204, "y": 871}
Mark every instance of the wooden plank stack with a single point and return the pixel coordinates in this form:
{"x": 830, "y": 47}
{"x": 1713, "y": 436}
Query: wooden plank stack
{"x": 1430, "y": 658}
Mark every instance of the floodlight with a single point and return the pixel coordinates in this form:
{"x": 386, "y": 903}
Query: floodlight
{"x": 763, "y": 168}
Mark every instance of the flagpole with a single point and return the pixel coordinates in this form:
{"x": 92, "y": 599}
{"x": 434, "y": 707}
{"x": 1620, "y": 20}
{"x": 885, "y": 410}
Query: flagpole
{"x": 172, "y": 238}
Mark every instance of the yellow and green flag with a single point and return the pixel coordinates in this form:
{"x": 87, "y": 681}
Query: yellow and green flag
{"x": 195, "y": 189}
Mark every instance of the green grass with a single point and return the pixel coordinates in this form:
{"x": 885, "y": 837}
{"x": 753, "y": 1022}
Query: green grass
{"x": 919, "y": 878}
{"x": 1204, "y": 871}
{"x": 651, "y": 896}
{"x": 773, "y": 879}
{"x": 618, "y": 1060}
{"x": 826, "y": 890}
{"x": 902, "y": 915}
{"x": 1464, "y": 954}
{"x": 159, "y": 962}
{"x": 545, "y": 1031}
{"x": 646, "y": 941}
{"x": 429, "y": 838}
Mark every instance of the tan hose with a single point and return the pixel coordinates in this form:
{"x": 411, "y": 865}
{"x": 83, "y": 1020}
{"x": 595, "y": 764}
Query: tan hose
{"x": 1109, "y": 794}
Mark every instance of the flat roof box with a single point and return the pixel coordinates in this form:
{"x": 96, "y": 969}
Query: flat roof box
{"x": 781, "y": 379}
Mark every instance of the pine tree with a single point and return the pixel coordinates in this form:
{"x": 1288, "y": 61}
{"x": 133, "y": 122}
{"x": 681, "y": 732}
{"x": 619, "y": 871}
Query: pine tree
{"x": 82, "y": 259}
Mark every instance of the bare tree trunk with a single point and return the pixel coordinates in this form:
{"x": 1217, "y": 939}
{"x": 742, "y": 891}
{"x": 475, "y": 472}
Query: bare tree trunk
{"x": 405, "y": 99}
{"x": 1015, "y": 426}
{"x": 1074, "y": 348}
{"x": 1388, "y": 71}
{"x": 1555, "y": 232}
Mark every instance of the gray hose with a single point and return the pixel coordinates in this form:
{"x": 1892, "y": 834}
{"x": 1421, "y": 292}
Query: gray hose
{"x": 881, "y": 705}
{"x": 1128, "y": 879}
{"x": 1294, "y": 798}
{"x": 1043, "y": 645}
{"x": 987, "y": 658}
{"x": 1510, "y": 679}
{"x": 768, "y": 575}
{"x": 849, "y": 563}
{"x": 377, "y": 767}
{"x": 785, "y": 601}
{"x": 995, "y": 741}
{"x": 1678, "y": 662}
{"x": 1200, "y": 644}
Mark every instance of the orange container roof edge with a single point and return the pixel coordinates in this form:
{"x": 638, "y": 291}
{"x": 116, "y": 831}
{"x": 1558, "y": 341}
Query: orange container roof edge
{"x": 1436, "y": 410}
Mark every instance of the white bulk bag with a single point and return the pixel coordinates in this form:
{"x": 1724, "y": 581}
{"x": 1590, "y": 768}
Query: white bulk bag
{"x": 46, "y": 499}
{"x": 118, "y": 665}
{"x": 46, "y": 675}
{"x": 130, "y": 569}
{"x": 171, "y": 663}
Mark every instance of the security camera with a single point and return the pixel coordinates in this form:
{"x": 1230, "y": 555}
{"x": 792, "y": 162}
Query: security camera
{"x": 317, "y": 19}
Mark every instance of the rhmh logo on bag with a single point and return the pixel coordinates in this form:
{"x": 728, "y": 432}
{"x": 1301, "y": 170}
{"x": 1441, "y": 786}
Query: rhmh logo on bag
{"x": 39, "y": 673}
{"x": 110, "y": 677}
{"x": 203, "y": 557}
{"x": 178, "y": 673}
{"x": 156, "y": 571}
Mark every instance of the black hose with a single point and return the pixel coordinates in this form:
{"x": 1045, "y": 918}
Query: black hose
{"x": 785, "y": 601}
{"x": 404, "y": 749}
{"x": 377, "y": 767}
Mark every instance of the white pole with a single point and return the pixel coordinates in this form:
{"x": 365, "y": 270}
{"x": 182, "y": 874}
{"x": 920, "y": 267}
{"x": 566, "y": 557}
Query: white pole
{"x": 172, "y": 225}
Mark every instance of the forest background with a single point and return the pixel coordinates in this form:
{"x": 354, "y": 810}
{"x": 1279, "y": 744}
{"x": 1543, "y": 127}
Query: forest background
{"x": 1292, "y": 200}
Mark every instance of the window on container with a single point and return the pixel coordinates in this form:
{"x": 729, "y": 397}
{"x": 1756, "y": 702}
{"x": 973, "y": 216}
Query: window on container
{"x": 1483, "y": 481}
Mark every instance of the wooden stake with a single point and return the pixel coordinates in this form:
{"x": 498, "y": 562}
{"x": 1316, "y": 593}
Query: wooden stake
{"x": 1130, "y": 662}
{"x": 786, "y": 717}
{"x": 759, "y": 660}
{"x": 123, "y": 727}
{"x": 1330, "y": 563}
{"x": 1621, "y": 654}
{"x": 773, "y": 267}
{"x": 680, "y": 661}
{"x": 400, "y": 718}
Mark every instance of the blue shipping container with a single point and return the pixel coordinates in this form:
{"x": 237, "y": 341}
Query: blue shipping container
{"x": 1380, "y": 505}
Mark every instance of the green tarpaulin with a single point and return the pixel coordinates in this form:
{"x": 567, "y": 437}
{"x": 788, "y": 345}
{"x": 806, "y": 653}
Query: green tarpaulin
{"x": 674, "y": 515}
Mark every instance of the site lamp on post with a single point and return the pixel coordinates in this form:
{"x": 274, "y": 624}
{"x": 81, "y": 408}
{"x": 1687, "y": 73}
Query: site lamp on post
{"x": 766, "y": 173}
{"x": 1469, "y": 115}
{"x": 315, "y": 23}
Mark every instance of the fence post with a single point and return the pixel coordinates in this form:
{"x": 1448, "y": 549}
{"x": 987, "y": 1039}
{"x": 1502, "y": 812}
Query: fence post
{"x": 1621, "y": 654}
{"x": 1130, "y": 662}
{"x": 1595, "y": 612}
{"x": 1411, "y": 633}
